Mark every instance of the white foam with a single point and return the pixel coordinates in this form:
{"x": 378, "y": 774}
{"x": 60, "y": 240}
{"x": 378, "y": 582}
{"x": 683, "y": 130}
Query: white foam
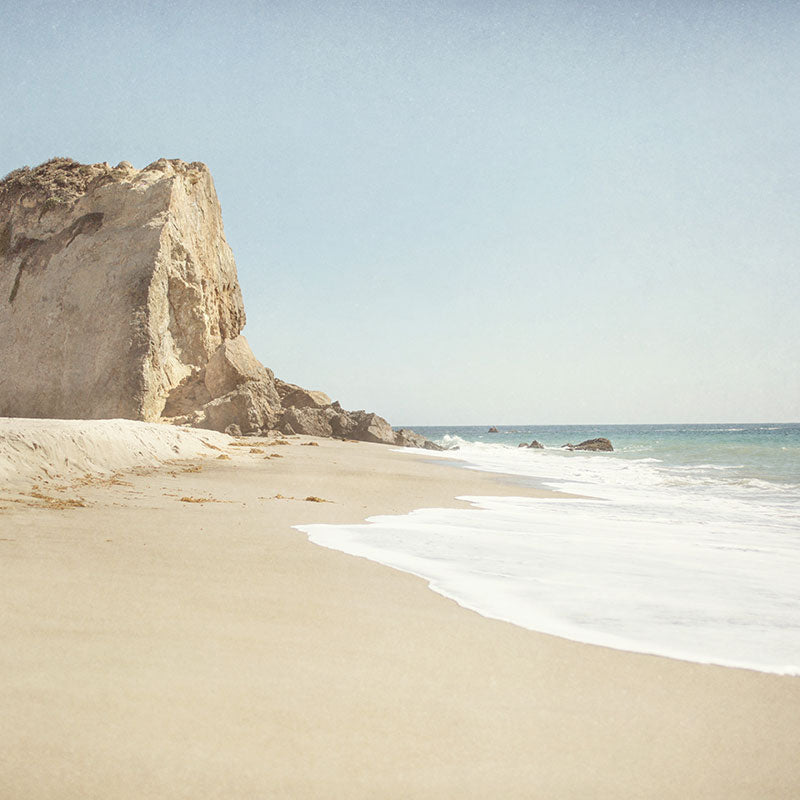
{"x": 657, "y": 561}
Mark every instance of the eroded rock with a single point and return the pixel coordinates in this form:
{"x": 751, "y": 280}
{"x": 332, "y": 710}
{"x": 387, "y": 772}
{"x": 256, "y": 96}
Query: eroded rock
{"x": 115, "y": 285}
{"x": 408, "y": 438}
{"x": 599, "y": 444}
{"x": 297, "y": 397}
{"x": 371, "y": 428}
{"x": 247, "y": 406}
{"x": 308, "y": 421}
{"x": 233, "y": 364}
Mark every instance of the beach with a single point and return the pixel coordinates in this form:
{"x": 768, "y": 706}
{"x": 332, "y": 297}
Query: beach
{"x": 167, "y": 633}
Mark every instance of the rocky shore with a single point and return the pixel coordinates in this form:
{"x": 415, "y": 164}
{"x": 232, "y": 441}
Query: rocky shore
{"x": 120, "y": 299}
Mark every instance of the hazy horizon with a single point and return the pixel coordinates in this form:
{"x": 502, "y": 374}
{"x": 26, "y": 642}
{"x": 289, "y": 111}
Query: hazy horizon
{"x": 537, "y": 424}
{"x": 447, "y": 212}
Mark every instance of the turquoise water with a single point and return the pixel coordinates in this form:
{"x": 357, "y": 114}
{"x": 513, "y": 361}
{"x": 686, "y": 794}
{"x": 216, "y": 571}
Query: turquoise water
{"x": 685, "y": 541}
{"x": 762, "y": 451}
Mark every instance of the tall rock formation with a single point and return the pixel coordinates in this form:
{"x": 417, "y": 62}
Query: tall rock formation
{"x": 115, "y": 284}
{"x": 119, "y": 298}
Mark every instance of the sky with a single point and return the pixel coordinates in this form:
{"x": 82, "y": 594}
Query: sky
{"x": 465, "y": 212}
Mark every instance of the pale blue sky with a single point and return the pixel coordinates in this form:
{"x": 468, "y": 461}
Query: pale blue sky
{"x": 464, "y": 212}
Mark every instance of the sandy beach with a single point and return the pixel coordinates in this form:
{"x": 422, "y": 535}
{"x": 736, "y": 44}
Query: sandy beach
{"x": 166, "y": 633}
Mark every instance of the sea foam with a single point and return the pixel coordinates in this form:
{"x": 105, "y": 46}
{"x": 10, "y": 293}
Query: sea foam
{"x": 652, "y": 559}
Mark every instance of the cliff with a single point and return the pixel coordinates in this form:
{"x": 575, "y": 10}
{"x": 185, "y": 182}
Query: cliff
{"x": 119, "y": 299}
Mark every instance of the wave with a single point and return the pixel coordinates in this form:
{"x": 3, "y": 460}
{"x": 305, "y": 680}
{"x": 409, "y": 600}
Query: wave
{"x": 726, "y": 430}
{"x": 721, "y": 467}
{"x": 693, "y": 561}
{"x": 652, "y": 580}
{"x": 451, "y": 441}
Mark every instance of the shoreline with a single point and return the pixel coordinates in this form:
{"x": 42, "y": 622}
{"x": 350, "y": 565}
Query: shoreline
{"x": 165, "y": 648}
{"x": 578, "y": 636}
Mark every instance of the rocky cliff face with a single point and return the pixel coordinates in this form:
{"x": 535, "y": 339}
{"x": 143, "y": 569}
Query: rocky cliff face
{"x": 119, "y": 298}
{"x": 115, "y": 284}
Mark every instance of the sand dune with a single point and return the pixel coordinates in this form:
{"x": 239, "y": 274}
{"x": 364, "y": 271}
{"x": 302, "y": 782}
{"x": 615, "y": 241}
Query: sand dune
{"x": 64, "y": 449}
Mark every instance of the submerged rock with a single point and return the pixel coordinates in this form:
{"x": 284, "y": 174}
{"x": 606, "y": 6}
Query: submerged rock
{"x": 536, "y": 445}
{"x": 493, "y": 430}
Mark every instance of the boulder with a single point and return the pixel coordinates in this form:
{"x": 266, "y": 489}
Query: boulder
{"x": 371, "y": 428}
{"x": 599, "y": 444}
{"x": 342, "y": 424}
{"x": 536, "y": 445}
{"x": 233, "y": 364}
{"x": 408, "y": 438}
{"x": 297, "y": 397}
{"x": 493, "y": 430}
{"x": 248, "y": 406}
{"x": 188, "y": 396}
{"x": 308, "y": 421}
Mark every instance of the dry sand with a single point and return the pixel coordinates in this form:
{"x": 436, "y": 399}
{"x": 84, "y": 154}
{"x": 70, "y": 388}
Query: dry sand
{"x": 40, "y": 450}
{"x": 154, "y": 647}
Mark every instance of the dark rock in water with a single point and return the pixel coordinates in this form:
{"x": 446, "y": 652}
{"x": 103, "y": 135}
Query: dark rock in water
{"x": 522, "y": 444}
{"x": 536, "y": 445}
{"x": 599, "y": 444}
{"x": 493, "y": 430}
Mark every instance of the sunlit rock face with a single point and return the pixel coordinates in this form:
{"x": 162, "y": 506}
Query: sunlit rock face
{"x": 115, "y": 284}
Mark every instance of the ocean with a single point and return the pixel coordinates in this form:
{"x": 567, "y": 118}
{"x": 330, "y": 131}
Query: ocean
{"x": 685, "y": 541}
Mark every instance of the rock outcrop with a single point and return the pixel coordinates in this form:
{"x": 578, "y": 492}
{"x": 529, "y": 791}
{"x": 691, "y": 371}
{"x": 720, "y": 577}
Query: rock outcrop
{"x": 407, "y": 438}
{"x": 119, "y": 298}
{"x": 115, "y": 284}
{"x": 599, "y": 444}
